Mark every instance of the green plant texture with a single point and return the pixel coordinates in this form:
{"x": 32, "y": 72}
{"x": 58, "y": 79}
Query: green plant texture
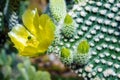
{"x": 13, "y": 67}
{"x": 98, "y": 23}
{"x": 87, "y": 38}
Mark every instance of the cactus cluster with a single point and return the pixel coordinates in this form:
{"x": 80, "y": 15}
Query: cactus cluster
{"x": 68, "y": 45}
{"x": 98, "y": 22}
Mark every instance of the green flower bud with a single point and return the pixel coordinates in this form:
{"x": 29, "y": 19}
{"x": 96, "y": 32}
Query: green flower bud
{"x": 83, "y": 47}
{"x": 66, "y": 56}
{"x": 82, "y": 56}
{"x": 65, "y": 53}
{"x": 68, "y": 28}
{"x": 68, "y": 19}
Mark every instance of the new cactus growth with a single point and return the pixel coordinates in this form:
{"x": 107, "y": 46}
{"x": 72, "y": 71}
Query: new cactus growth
{"x": 68, "y": 19}
{"x": 65, "y": 53}
{"x": 82, "y": 55}
{"x": 66, "y": 56}
{"x": 83, "y": 47}
{"x": 68, "y": 29}
{"x": 58, "y": 9}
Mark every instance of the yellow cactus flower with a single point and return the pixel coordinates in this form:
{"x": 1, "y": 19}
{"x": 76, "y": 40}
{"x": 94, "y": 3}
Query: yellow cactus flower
{"x": 37, "y": 35}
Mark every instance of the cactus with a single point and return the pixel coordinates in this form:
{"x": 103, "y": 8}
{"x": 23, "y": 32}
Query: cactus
{"x": 98, "y": 23}
{"x": 66, "y": 56}
{"x": 67, "y": 36}
{"x": 58, "y": 9}
{"x": 68, "y": 28}
{"x": 82, "y": 55}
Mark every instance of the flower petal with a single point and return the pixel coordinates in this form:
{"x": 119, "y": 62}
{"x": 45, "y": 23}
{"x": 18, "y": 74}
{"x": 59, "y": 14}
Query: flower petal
{"x": 27, "y": 18}
{"x": 29, "y": 51}
{"x": 36, "y": 37}
{"x": 43, "y": 19}
{"x": 19, "y": 36}
{"x": 46, "y": 33}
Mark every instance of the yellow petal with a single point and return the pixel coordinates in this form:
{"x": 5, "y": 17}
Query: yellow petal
{"x": 43, "y": 19}
{"x": 29, "y": 51}
{"x": 27, "y": 18}
{"x": 36, "y": 37}
{"x": 36, "y": 20}
{"x": 19, "y": 36}
{"x": 18, "y": 44}
{"x": 46, "y": 35}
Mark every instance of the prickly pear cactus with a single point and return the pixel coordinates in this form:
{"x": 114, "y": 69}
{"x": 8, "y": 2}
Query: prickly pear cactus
{"x": 98, "y": 22}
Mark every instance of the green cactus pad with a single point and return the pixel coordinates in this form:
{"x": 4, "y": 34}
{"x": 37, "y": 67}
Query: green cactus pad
{"x": 98, "y": 22}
